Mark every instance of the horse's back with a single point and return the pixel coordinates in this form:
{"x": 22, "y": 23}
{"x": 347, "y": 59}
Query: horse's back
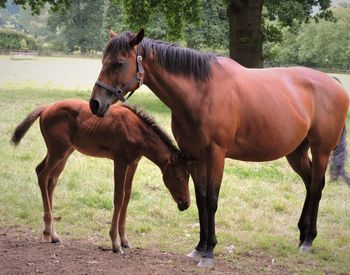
{"x": 70, "y": 123}
{"x": 275, "y": 110}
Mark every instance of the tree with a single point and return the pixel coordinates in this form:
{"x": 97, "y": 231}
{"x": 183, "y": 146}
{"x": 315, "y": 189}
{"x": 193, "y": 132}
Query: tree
{"x": 212, "y": 30}
{"x": 245, "y": 17}
{"x": 16, "y": 40}
{"x": 37, "y": 5}
{"x": 325, "y": 45}
{"x": 80, "y": 25}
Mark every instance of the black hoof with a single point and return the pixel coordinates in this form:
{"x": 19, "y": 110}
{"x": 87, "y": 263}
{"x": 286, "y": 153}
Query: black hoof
{"x": 126, "y": 245}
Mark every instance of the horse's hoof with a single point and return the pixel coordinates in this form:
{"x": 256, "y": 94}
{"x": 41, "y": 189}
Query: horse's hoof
{"x": 305, "y": 248}
{"x": 206, "y": 262}
{"x": 47, "y": 236}
{"x": 118, "y": 251}
{"x": 195, "y": 254}
{"x": 126, "y": 245}
{"x": 55, "y": 238}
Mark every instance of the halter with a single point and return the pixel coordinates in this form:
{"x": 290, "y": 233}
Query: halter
{"x": 121, "y": 92}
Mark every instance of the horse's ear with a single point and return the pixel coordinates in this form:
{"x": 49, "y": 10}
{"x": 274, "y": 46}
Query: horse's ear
{"x": 137, "y": 38}
{"x": 111, "y": 33}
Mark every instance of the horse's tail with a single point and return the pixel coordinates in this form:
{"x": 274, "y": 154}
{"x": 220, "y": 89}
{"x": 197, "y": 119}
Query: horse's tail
{"x": 24, "y": 126}
{"x": 338, "y": 159}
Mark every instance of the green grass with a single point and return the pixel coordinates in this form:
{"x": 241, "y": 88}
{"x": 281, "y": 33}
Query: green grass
{"x": 259, "y": 203}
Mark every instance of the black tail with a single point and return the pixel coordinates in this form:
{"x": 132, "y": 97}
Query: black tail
{"x": 338, "y": 159}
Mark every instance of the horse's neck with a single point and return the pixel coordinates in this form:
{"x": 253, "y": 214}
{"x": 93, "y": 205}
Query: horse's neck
{"x": 174, "y": 91}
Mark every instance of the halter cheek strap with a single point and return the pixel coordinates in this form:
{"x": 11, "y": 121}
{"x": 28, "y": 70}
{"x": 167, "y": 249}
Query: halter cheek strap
{"x": 120, "y": 93}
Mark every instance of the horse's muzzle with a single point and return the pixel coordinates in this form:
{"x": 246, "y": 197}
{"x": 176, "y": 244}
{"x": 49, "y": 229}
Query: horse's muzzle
{"x": 183, "y": 205}
{"x": 96, "y": 108}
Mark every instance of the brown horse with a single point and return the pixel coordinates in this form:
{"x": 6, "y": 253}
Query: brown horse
{"x": 124, "y": 136}
{"x": 221, "y": 109}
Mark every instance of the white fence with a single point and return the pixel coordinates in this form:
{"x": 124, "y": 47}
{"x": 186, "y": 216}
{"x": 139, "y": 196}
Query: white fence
{"x": 23, "y": 55}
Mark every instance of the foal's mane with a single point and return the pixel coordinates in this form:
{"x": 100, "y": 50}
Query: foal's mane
{"x": 146, "y": 118}
{"x": 173, "y": 58}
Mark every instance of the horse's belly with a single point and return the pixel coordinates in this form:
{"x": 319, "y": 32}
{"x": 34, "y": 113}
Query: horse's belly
{"x": 93, "y": 150}
{"x": 264, "y": 148}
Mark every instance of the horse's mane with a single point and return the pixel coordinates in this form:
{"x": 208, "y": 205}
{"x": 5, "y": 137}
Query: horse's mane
{"x": 146, "y": 118}
{"x": 173, "y": 58}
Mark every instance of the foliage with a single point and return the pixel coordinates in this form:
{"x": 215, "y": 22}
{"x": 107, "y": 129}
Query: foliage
{"x": 37, "y": 5}
{"x": 80, "y": 25}
{"x": 212, "y": 30}
{"x": 326, "y": 44}
{"x": 175, "y": 13}
{"x": 16, "y": 40}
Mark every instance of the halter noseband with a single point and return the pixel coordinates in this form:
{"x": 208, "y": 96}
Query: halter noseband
{"x": 121, "y": 92}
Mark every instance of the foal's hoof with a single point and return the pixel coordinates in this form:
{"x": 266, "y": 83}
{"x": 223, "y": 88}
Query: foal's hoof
{"x": 195, "y": 254}
{"x": 118, "y": 251}
{"x": 305, "y": 247}
{"x": 47, "y": 236}
{"x": 206, "y": 262}
{"x": 55, "y": 238}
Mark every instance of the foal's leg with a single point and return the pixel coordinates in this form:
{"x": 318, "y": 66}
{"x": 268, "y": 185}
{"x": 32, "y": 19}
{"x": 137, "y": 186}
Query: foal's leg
{"x": 122, "y": 218}
{"x": 301, "y": 164}
{"x": 119, "y": 191}
{"x": 53, "y": 178}
{"x": 207, "y": 177}
{"x": 43, "y": 171}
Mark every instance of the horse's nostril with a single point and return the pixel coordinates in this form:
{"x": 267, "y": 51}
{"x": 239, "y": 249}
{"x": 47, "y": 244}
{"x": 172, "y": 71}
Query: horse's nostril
{"x": 94, "y": 106}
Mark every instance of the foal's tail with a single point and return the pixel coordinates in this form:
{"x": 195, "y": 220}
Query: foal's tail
{"x": 24, "y": 126}
{"x": 338, "y": 159}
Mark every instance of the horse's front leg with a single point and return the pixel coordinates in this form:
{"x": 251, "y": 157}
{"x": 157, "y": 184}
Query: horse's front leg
{"x": 207, "y": 177}
{"x": 120, "y": 169}
{"x": 122, "y": 219}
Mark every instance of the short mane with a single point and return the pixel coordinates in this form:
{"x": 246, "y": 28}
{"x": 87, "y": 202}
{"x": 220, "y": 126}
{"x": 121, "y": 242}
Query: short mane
{"x": 150, "y": 122}
{"x": 173, "y": 58}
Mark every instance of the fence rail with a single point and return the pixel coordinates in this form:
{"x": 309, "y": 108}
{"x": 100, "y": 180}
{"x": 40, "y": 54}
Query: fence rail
{"x": 24, "y": 54}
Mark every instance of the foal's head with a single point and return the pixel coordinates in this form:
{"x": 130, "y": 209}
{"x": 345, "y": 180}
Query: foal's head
{"x": 121, "y": 71}
{"x": 176, "y": 177}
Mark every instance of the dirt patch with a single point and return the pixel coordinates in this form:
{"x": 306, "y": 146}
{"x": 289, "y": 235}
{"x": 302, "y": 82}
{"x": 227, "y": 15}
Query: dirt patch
{"x": 22, "y": 252}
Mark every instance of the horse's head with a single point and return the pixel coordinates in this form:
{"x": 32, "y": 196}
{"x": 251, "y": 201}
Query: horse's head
{"x": 176, "y": 177}
{"x": 121, "y": 72}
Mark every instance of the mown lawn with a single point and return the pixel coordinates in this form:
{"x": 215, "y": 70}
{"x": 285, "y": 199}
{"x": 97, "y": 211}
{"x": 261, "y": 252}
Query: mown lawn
{"x": 259, "y": 203}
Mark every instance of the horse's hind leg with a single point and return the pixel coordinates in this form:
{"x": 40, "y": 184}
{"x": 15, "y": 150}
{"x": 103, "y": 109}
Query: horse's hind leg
{"x": 120, "y": 169}
{"x": 301, "y": 164}
{"x": 122, "y": 217}
{"x": 320, "y": 160}
{"x": 53, "y": 178}
{"x": 43, "y": 171}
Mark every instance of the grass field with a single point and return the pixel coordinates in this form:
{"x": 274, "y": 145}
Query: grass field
{"x": 259, "y": 203}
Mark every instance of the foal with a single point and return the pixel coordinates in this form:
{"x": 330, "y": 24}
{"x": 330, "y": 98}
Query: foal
{"x": 124, "y": 135}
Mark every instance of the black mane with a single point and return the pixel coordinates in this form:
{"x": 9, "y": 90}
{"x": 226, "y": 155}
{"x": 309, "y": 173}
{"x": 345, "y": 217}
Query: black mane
{"x": 150, "y": 122}
{"x": 173, "y": 58}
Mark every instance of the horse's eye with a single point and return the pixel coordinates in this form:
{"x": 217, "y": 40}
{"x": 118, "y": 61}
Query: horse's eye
{"x": 118, "y": 65}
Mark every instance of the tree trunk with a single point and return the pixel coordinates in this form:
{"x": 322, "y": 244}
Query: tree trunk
{"x": 245, "y": 32}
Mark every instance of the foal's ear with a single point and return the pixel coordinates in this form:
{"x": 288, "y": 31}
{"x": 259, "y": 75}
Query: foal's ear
{"x": 111, "y": 33}
{"x": 137, "y": 38}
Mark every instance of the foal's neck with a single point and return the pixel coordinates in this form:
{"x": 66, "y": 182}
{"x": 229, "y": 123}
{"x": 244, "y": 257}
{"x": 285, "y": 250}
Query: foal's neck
{"x": 156, "y": 150}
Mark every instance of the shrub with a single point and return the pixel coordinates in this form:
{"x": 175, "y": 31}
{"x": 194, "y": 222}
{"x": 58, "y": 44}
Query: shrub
{"x": 16, "y": 40}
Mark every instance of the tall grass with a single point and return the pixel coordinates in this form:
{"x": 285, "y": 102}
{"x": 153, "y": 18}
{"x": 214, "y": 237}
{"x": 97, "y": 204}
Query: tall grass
{"x": 259, "y": 203}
